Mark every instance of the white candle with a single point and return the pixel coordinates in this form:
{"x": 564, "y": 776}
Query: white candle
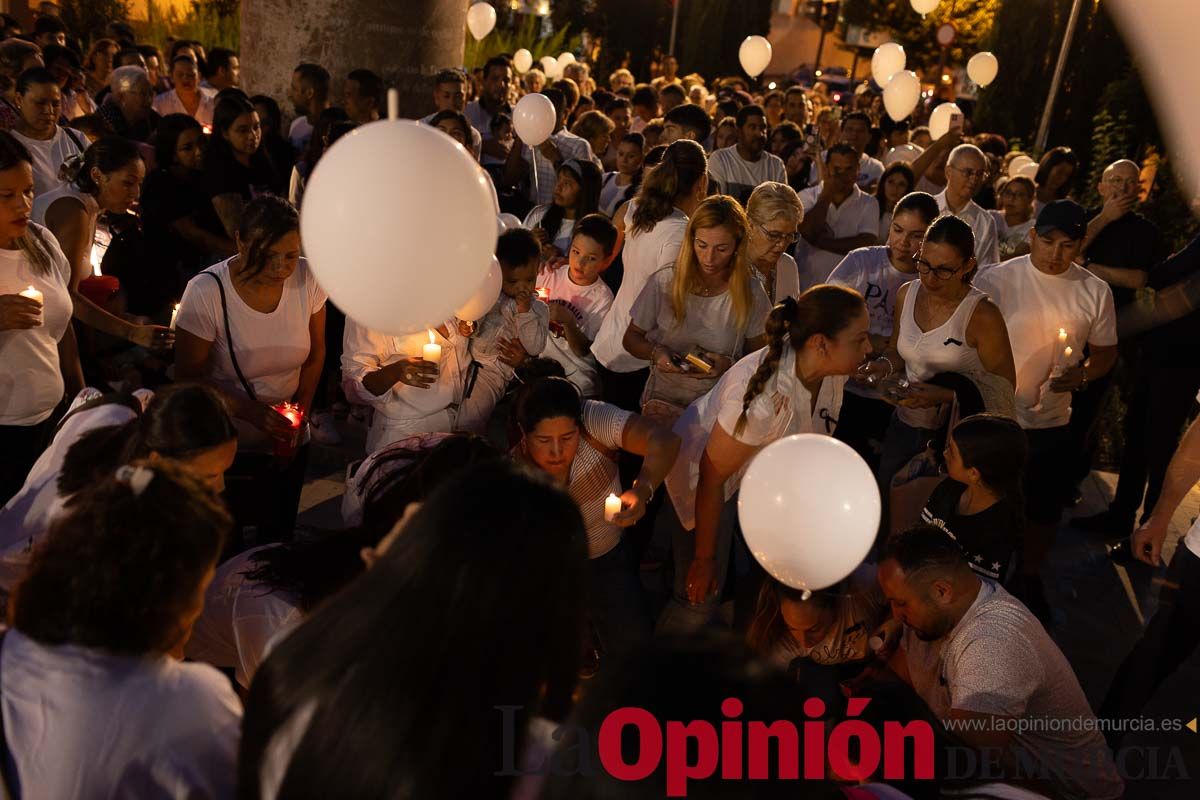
{"x": 1067, "y": 355}
{"x": 33, "y": 294}
{"x": 432, "y": 352}
{"x": 1062, "y": 336}
{"x": 174, "y": 314}
{"x": 612, "y": 507}
{"x": 96, "y": 258}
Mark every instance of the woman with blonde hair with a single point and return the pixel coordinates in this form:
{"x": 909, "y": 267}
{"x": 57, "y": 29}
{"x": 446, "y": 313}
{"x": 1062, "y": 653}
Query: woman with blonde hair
{"x": 16, "y": 56}
{"x": 775, "y": 213}
{"x": 596, "y": 128}
{"x": 692, "y": 323}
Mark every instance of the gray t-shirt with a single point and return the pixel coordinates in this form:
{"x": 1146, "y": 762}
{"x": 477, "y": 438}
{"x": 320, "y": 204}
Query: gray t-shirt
{"x": 999, "y": 660}
{"x": 869, "y": 271}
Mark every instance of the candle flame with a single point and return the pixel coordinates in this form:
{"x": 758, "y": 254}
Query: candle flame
{"x": 1067, "y": 352}
{"x": 1062, "y": 333}
{"x": 431, "y": 336}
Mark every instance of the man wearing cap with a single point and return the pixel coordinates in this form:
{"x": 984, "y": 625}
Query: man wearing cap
{"x": 965, "y": 170}
{"x": 1054, "y": 309}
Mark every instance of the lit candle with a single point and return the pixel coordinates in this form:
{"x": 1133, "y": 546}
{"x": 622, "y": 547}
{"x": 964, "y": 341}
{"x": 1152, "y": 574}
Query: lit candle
{"x": 174, "y": 314}
{"x": 33, "y": 294}
{"x": 1067, "y": 355}
{"x": 96, "y": 258}
{"x": 612, "y": 507}
{"x": 295, "y": 415}
{"x": 1062, "y": 337}
{"x": 432, "y": 352}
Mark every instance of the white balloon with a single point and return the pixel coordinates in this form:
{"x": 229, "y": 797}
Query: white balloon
{"x": 902, "y": 94}
{"x": 888, "y": 59}
{"x": 522, "y": 60}
{"x": 904, "y": 152}
{"x": 1029, "y": 171}
{"x": 809, "y": 509}
{"x": 534, "y": 118}
{"x": 939, "y": 120}
{"x": 566, "y": 58}
{"x": 550, "y": 67}
{"x": 1014, "y": 166}
{"x": 481, "y": 18}
{"x": 924, "y": 7}
{"x": 398, "y": 261}
{"x": 982, "y": 68}
{"x": 485, "y": 295}
{"x": 755, "y": 55}
{"x": 510, "y": 221}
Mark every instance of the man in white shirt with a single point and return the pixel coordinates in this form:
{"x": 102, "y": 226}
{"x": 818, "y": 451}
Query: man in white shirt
{"x": 1053, "y": 309}
{"x": 547, "y": 156}
{"x": 450, "y": 94}
{"x": 965, "y": 171}
{"x": 838, "y": 217}
{"x": 186, "y": 97}
{"x": 738, "y": 170}
{"x": 984, "y": 665}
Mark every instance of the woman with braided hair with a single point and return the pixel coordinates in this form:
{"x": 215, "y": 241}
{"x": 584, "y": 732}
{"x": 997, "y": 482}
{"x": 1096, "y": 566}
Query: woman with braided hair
{"x": 793, "y": 385}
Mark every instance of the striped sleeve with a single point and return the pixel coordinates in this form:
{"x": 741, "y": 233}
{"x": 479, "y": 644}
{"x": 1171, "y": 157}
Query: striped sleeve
{"x": 605, "y": 423}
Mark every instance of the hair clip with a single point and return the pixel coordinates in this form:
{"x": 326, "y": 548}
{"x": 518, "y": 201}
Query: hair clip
{"x": 136, "y": 478}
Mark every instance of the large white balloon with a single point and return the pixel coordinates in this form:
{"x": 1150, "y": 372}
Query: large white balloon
{"x": 888, "y": 59}
{"x": 982, "y": 68}
{"x": 904, "y": 152}
{"x": 809, "y": 508}
{"x": 902, "y": 94}
{"x": 1029, "y": 171}
{"x": 924, "y": 7}
{"x": 939, "y": 120}
{"x": 394, "y": 258}
{"x": 566, "y": 57}
{"x": 481, "y": 18}
{"x": 551, "y": 67}
{"x": 522, "y": 60}
{"x": 534, "y": 118}
{"x": 485, "y": 295}
{"x": 1014, "y": 166}
{"x": 755, "y": 55}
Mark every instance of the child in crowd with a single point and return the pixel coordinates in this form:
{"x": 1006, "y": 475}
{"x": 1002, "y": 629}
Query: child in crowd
{"x": 516, "y": 327}
{"x": 579, "y": 300}
{"x": 576, "y": 194}
{"x": 622, "y": 183}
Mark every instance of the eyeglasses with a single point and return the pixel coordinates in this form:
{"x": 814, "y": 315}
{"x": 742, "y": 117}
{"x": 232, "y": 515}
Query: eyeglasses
{"x": 971, "y": 174}
{"x": 942, "y": 273}
{"x": 775, "y": 237}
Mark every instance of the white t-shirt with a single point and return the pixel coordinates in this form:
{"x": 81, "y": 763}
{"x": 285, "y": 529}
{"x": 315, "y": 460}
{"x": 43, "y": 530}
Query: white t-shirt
{"x": 169, "y": 103}
{"x": 733, "y": 175}
{"x": 870, "y": 170}
{"x": 644, "y": 253}
{"x": 241, "y": 619}
{"x": 49, "y": 155}
{"x": 300, "y": 132}
{"x": 82, "y": 722}
{"x": 588, "y": 305}
{"x": 1035, "y": 306}
{"x": 1014, "y": 240}
{"x": 999, "y": 660}
{"x": 858, "y": 214}
{"x": 869, "y": 271}
{"x": 365, "y": 351}
{"x": 784, "y": 407}
{"x": 787, "y": 280}
{"x": 987, "y": 243}
{"x": 710, "y": 322}
{"x": 271, "y": 347}
{"x": 562, "y": 238}
{"x": 31, "y": 382}
{"x": 612, "y": 194}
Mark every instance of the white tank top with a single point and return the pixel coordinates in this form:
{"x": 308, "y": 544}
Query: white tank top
{"x": 928, "y": 353}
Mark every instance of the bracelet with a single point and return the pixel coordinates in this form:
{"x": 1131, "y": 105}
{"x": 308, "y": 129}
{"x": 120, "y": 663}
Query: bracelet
{"x": 891, "y": 367}
{"x": 647, "y": 484}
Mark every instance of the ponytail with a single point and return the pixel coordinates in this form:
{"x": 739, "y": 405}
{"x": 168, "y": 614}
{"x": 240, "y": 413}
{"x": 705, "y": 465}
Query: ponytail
{"x": 683, "y": 164}
{"x": 824, "y": 309}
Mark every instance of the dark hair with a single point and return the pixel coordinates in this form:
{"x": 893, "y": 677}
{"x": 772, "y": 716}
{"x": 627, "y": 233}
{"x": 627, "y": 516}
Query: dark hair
{"x": 556, "y": 98}
{"x": 48, "y": 24}
{"x": 993, "y": 144}
{"x": 924, "y": 547}
{"x": 615, "y": 103}
{"x": 316, "y": 143}
{"x": 920, "y": 203}
{"x": 856, "y": 116}
{"x": 746, "y": 112}
{"x": 496, "y": 61}
{"x": 120, "y": 568}
{"x": 634, "y": 139}
{"x": 315, "y": 77}
{"x": 128, "y": 52}
{"x": 35, "y": 77}
{"x": 517, "y": 247}
{"x": 454, "y": 75}
{"x": 548, "y": 398}
{"x": 218, "y": 58}
{"x": 274, "y": 116}
{"x": 493, "y": 563}
{"x": 1053, "y": 157}
{"x": 672, "y": 88}
{"x": 229, "y": 107}
{"x": 840, "y": 149}
{"x": 92, "y": 124}
{"x": 369, "y": 85}
{"x": 56, "y": 52}
{"x": 107, "y": 154}
{"x": 181, "y": 422}
{"x": 599, "y": 229}
{"x": 683, "y": 165}
{"x": 654, "y": 156}
{"x": 824, "y": 309}
{"x": 997, "y": 447}
{"x": 691, "y": 118}
{"x": 187, "y": 60}
{"x": 768, "y": 627}
{"x": 790, "y": 130}
{"x": 729, "y": 108}
{"x": 644, "y": 95}
{"x": 166, "y": 137}
{"x": 953, "y": 231}
{"x": 266, "y": 220}
{"x": 458, "y": 117}
{"x": 590, "y": 178}
{"x": 498, "y": 120}
{"x": 898, "y": 168}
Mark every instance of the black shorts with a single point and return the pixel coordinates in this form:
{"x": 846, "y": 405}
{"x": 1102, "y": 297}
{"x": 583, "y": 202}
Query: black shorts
{"x": 1048, "y": 475}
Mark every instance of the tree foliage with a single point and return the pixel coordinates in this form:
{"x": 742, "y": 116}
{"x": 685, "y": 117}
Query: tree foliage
{"x": 973, "y": 19}
{"x": 87, "y": 18}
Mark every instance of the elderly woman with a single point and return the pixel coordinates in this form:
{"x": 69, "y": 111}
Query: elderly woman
{"x": 16, "y": 56}
{"x": 130, "y": 111}
{"x": 775, "y": 212}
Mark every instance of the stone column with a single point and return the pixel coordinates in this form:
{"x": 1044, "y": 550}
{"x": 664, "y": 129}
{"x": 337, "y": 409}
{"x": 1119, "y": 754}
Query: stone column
{"x": 404, "y": 41}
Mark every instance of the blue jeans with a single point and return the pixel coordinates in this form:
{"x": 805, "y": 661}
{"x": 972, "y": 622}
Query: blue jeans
{"x": 680, "y": 614}
{"x": 617, "y": 607}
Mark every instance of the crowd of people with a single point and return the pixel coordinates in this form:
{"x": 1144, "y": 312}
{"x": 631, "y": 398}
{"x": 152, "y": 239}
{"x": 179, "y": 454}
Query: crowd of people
{"x": 542, "y": 526}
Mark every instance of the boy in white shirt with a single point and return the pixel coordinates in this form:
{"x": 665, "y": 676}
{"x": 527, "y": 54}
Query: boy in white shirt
{"x": 578, "y": 301}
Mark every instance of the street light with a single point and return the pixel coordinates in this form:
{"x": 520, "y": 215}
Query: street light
{"x": 1044, "y": 128}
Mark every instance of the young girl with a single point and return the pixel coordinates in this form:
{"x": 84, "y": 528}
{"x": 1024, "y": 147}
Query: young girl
{"x": 578, "y": 301}
{"x": 516, "y": 327}
{"x": 622, "y": 183}
{"x": 576, "y": 194}
{"x": 1014, "y": 218}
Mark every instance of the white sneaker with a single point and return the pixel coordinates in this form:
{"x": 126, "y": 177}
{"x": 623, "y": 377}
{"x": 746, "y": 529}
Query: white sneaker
{"x": 323, "y": 430}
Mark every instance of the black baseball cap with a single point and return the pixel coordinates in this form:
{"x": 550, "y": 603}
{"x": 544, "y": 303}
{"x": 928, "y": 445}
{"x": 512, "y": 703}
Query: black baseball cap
{"x": 1063, "y": 215}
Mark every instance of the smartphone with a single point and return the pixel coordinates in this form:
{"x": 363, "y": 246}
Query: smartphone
{"x": 956, "y": 121}
{"x": 810, "y": 136}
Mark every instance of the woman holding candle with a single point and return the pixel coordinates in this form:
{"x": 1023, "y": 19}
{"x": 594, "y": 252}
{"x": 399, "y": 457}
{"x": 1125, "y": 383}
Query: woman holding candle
{"x": 37, "y": 343}
{"x": 577, "y": 442}
{"x": 253, "y": 327}
{"x": 107, "y": 178}
{"x": 793, "y": 385}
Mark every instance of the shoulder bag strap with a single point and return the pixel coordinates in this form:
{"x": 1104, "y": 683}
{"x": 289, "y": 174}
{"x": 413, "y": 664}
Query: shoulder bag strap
{"x": 229, "y": 337}
{"x": 8, "y": 768}
{"x": 74, "y": 138}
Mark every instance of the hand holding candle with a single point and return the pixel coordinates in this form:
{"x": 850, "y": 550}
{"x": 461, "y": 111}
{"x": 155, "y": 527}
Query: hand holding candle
{"x": 36, "y": 296}
{"x": 612, "y": 507}
{"x": 432, "y": 352}
{"x": 174, "y": 314}
{"x": 285, "y": 447}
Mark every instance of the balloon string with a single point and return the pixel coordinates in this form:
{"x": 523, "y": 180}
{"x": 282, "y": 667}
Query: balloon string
{"x": 393, "y": 100}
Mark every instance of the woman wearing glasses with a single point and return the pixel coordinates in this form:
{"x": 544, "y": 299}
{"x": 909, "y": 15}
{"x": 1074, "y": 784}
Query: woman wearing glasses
{"x": 943, "y": 324}
{"x": 775, "y": 212}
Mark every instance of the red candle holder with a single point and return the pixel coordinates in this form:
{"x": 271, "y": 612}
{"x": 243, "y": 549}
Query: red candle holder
{"x": 286, "y": 448}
